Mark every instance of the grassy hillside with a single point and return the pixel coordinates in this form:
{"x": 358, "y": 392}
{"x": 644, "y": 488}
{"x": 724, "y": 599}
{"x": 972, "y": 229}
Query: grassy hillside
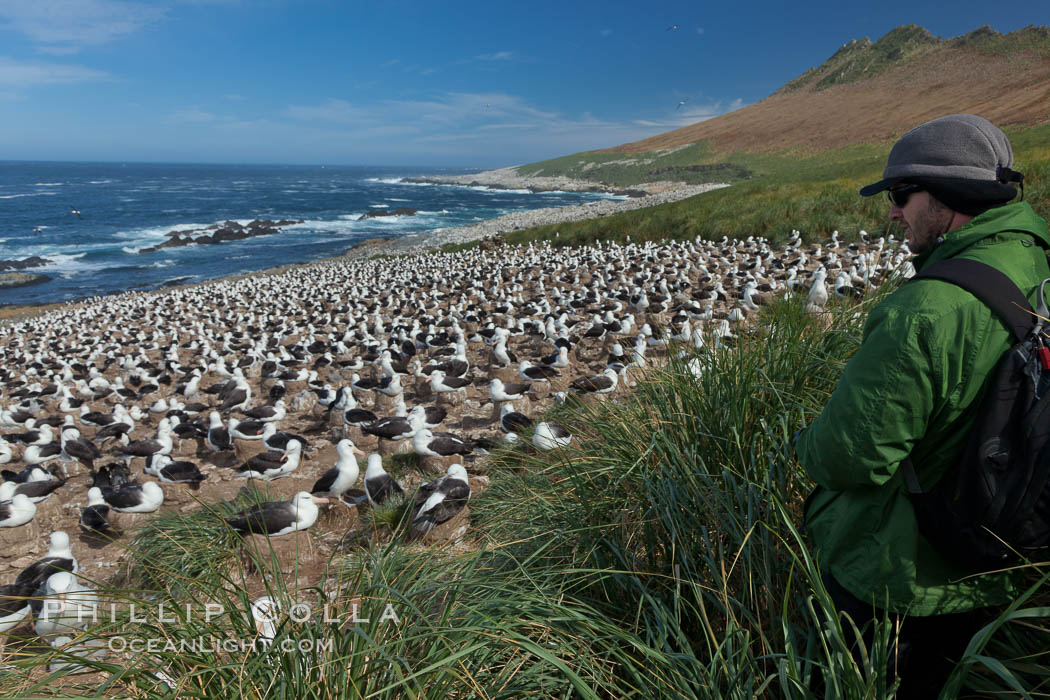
{"x": 692, "y": 164}
{"x": 815, "y": 194}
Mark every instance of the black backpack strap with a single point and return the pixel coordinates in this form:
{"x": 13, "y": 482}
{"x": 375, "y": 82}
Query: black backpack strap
{"x": 995, "y": 290}
{"x": 989, "y": 285}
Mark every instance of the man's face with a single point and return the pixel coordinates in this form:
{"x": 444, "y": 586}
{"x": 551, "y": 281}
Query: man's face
{"x": 924, "y": 219}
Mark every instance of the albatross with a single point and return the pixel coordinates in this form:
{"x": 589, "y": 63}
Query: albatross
{"x": 272, "y": 464}
{"x": 169, "y": 471}
{"x": 429, "y": 444}
{"x": 338, "y": 480}
{"x": 59, "y": 558}
{"x": 276, "y": 518}
{"x": 511, "y": 421}
{"x": 35, "y": 491}
{"x": 219, "y": 437}
{"x": 379, "y": 486}
{"x": 133, "y": 497}
{"x": 14, "y": 605}
{"x": 95, "y": 517}
{"x": 18, "y": 511}
{"x": 603, "y": 383}
{"x": 550, "y": 435}
{"x": 438, "y": 501}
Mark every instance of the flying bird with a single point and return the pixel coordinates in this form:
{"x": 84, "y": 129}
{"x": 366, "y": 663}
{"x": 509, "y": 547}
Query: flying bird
{"x": 76, "y": 211}
{"x": 682, "y": 102}
{"x": 672, "y": 27}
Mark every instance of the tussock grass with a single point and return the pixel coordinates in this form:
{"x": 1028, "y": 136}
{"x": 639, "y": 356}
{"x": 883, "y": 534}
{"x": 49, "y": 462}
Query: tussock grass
{"x": 173, "y": 549}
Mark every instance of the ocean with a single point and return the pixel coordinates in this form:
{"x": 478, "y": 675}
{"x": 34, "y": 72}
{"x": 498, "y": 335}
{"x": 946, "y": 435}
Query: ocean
{"x": 127, "y": 207}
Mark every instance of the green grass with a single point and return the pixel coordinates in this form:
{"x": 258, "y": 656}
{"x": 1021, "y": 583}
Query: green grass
{"x": 689, "y": 164}
{"x": 815, "y": 194}
{"x": 173, "y": 549}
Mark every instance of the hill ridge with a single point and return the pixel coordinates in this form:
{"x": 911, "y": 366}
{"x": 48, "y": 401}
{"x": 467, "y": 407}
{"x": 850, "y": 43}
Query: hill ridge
{"x": 871, "y": 92}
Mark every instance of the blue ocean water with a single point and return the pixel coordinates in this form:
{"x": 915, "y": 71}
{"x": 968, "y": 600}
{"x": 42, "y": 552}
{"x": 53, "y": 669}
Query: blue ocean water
{"x": 127, "y": 207}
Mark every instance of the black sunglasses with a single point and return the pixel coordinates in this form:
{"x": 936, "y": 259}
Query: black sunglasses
{"x": 899, "y": 194}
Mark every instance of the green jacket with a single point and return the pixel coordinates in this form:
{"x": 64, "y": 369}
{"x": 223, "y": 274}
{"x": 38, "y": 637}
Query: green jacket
{"x": 912, "y": 388}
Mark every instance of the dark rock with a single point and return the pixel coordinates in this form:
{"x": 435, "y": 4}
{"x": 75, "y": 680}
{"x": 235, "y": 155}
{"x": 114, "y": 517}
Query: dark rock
{"x": 227, "y": 233}
{"x": 10, "y": 280}
{"x": 175, "y": 281}
{"x": 373, "y": 213}
{"x": 222, "y": 233}
{"x": 24, "y": 264}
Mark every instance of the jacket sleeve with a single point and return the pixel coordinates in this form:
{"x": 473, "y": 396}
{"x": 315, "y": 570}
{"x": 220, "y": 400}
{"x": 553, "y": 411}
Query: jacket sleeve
{"x": 880, "y": 408}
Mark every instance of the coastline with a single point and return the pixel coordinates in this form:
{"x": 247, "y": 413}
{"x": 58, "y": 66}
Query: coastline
{"x": 645, "y": 195}
{"x": 509, "y": 178}
{"x": 421, "y": 243}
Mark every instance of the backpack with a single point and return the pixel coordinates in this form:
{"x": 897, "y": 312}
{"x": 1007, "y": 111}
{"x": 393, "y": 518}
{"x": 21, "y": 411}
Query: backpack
{"x": 994, "y": 506}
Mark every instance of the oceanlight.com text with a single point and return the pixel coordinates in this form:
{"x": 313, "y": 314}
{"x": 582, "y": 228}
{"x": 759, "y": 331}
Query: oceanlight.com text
{"x": 216, "y": 645}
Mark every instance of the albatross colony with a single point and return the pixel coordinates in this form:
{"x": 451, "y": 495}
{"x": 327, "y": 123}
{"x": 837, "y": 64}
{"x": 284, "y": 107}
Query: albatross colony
{"x": 186, "y": 371}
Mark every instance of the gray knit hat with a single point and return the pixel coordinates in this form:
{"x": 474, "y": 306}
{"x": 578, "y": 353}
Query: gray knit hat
{"x": 963, "y": 148}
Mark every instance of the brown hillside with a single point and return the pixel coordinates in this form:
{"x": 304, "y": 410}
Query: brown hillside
{"x": 945, "y": 78}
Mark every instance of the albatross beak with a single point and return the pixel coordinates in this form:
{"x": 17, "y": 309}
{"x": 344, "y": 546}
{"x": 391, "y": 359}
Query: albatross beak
{"x": 359, "y": 452}
{"x": 319, "y": 501}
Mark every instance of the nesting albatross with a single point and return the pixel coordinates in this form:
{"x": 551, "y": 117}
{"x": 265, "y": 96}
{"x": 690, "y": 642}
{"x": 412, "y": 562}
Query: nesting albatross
{"x": 276, "y": 518}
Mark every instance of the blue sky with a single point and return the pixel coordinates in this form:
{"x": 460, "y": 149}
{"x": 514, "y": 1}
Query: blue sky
{"x": 482, "y": 84}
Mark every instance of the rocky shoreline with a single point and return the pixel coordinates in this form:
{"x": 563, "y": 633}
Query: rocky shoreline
{"x": 516, "y": 221}
{"x": 510, "y": 179}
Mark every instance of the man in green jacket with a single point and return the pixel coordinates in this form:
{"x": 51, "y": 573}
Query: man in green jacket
{"x": 912, "y": 389}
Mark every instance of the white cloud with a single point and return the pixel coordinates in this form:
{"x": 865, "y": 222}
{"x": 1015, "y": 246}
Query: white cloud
{"x": 336, "y": 111}
{"x": 453, "y": 127}
{"x": 498, "y": 56}
{"x": 192, "y": 115}
{"x": 458, "y": 116}
{"x": 31, "y": 73}
{"x": 64, "y": 26}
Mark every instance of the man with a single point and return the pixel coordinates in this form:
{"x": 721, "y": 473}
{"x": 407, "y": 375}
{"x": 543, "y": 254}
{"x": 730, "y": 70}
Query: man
{"x": 912, "y": 389}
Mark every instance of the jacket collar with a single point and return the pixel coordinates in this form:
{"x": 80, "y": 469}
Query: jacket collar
{"x": 1010, "y": 218}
